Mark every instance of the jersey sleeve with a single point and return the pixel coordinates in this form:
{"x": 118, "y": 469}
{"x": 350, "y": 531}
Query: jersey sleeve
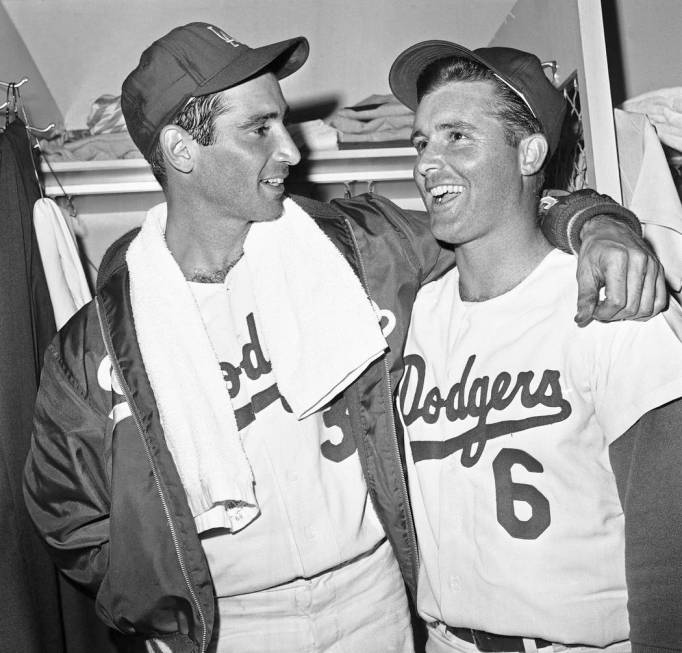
{"x": 636, "y": 367}
{"x": 646, "y": 462}
{"x": 562, "y": 216}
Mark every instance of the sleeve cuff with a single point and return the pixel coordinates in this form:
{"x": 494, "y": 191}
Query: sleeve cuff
{"x": 562, "y": 216}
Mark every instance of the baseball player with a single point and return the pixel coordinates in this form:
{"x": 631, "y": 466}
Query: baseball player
{"x": 530, "y": 442}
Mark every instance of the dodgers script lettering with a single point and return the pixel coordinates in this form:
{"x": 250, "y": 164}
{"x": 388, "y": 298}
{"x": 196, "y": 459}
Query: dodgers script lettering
{"x": 254, "y": 365}
{"x": 476, "y": 398}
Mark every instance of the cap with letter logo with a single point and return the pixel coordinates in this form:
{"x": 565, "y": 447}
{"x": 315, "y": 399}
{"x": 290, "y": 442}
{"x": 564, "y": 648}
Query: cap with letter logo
{"x": 193, "y": 60}
{"x": 521, "y": 71}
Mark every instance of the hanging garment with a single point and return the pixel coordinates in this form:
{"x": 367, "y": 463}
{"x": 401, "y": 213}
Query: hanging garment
{"x": 27, "y": 578}
{"x": 663, "y": 107}
{"x": 63, "y": 269}
{"x": 649, "y": 191}
{"x": 36, "y": 603}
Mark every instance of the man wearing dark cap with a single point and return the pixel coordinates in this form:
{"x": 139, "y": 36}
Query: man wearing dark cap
{"x": 530, "y": 443}
{"x": 189, "y": 467}
{"x": 215, "y": 454}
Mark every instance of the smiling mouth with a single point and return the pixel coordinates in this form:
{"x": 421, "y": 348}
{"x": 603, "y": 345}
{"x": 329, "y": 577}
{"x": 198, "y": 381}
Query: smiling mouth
{"x": 444, "y": 192}
{"x": 275, "y": 182}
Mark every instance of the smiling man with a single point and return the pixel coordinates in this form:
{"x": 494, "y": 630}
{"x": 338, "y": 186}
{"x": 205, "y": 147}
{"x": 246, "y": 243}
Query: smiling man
{"x": 214, "y": 452}
{"x": 543, "y": 459}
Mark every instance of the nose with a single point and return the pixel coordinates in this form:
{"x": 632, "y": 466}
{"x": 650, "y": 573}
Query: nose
{"x": 287, "y": 152}
{"x": 428, "y": 160}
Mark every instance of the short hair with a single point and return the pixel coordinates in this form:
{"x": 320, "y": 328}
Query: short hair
{"x": 197, "y": 118}
{"x": 516, "y": 118}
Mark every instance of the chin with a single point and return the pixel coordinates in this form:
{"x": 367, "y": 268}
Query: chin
{"x": 452, "y": 227}
{"x": 270, "y": 212}
{"x": 442, "y": 230}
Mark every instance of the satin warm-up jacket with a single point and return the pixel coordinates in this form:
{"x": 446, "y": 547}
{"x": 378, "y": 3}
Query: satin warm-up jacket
{"x": 101, "y": 484}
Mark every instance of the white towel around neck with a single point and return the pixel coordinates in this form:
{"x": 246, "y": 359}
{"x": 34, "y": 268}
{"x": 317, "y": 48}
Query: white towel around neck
{"x": 318, "y": 325}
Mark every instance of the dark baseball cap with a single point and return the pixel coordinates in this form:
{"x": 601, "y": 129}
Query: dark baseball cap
{"x": 193, "y": 60}
{"x": 521, "y": 71}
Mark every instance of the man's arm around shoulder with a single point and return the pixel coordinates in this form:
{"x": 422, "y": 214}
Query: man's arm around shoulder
{"x": 613, "y": 258}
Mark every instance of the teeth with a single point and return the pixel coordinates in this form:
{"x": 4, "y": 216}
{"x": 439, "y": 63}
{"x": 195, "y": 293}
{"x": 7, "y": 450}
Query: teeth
{"x": 274, "y": 181}
{"x": 439, "y": 191}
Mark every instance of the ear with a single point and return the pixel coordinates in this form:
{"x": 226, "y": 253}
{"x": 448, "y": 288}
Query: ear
{"x": 177, "y": 144}
{"x": 532, "y": 153}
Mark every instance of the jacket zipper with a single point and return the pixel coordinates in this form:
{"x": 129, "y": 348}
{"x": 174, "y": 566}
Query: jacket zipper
{"x": 389, "y": 402}
{"x": 133, "y": 410}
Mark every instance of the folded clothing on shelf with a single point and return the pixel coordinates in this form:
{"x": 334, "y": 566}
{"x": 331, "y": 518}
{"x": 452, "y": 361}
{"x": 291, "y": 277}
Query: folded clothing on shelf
{"x": 314, "y": 135}
{"x": 79, "y": 146}
{"x": 104, "y": 138}
{"x": 376, "y": 119}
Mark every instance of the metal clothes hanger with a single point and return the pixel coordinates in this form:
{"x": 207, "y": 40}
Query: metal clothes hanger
{"x": 23, "y": 81}
{"x": 13, "y": 103}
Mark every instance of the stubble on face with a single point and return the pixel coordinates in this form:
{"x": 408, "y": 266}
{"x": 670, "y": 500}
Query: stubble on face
{"x": 242, "y": 175}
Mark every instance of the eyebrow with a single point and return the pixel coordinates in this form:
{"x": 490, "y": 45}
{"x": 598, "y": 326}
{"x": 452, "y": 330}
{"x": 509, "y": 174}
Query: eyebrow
{"x": 444, "y": 126}
{"x": 260, "y": 118}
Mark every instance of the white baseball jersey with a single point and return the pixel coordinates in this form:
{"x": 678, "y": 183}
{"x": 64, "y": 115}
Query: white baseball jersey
{"x": 509, "y": 410}
{"x": 315, "y": 510}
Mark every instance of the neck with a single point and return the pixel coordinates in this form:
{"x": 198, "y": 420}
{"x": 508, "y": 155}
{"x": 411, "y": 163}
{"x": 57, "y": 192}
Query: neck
{"x": 205, "y": 246}
{"x": 498, "y": 262}
{"x": 212, "y": 276}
